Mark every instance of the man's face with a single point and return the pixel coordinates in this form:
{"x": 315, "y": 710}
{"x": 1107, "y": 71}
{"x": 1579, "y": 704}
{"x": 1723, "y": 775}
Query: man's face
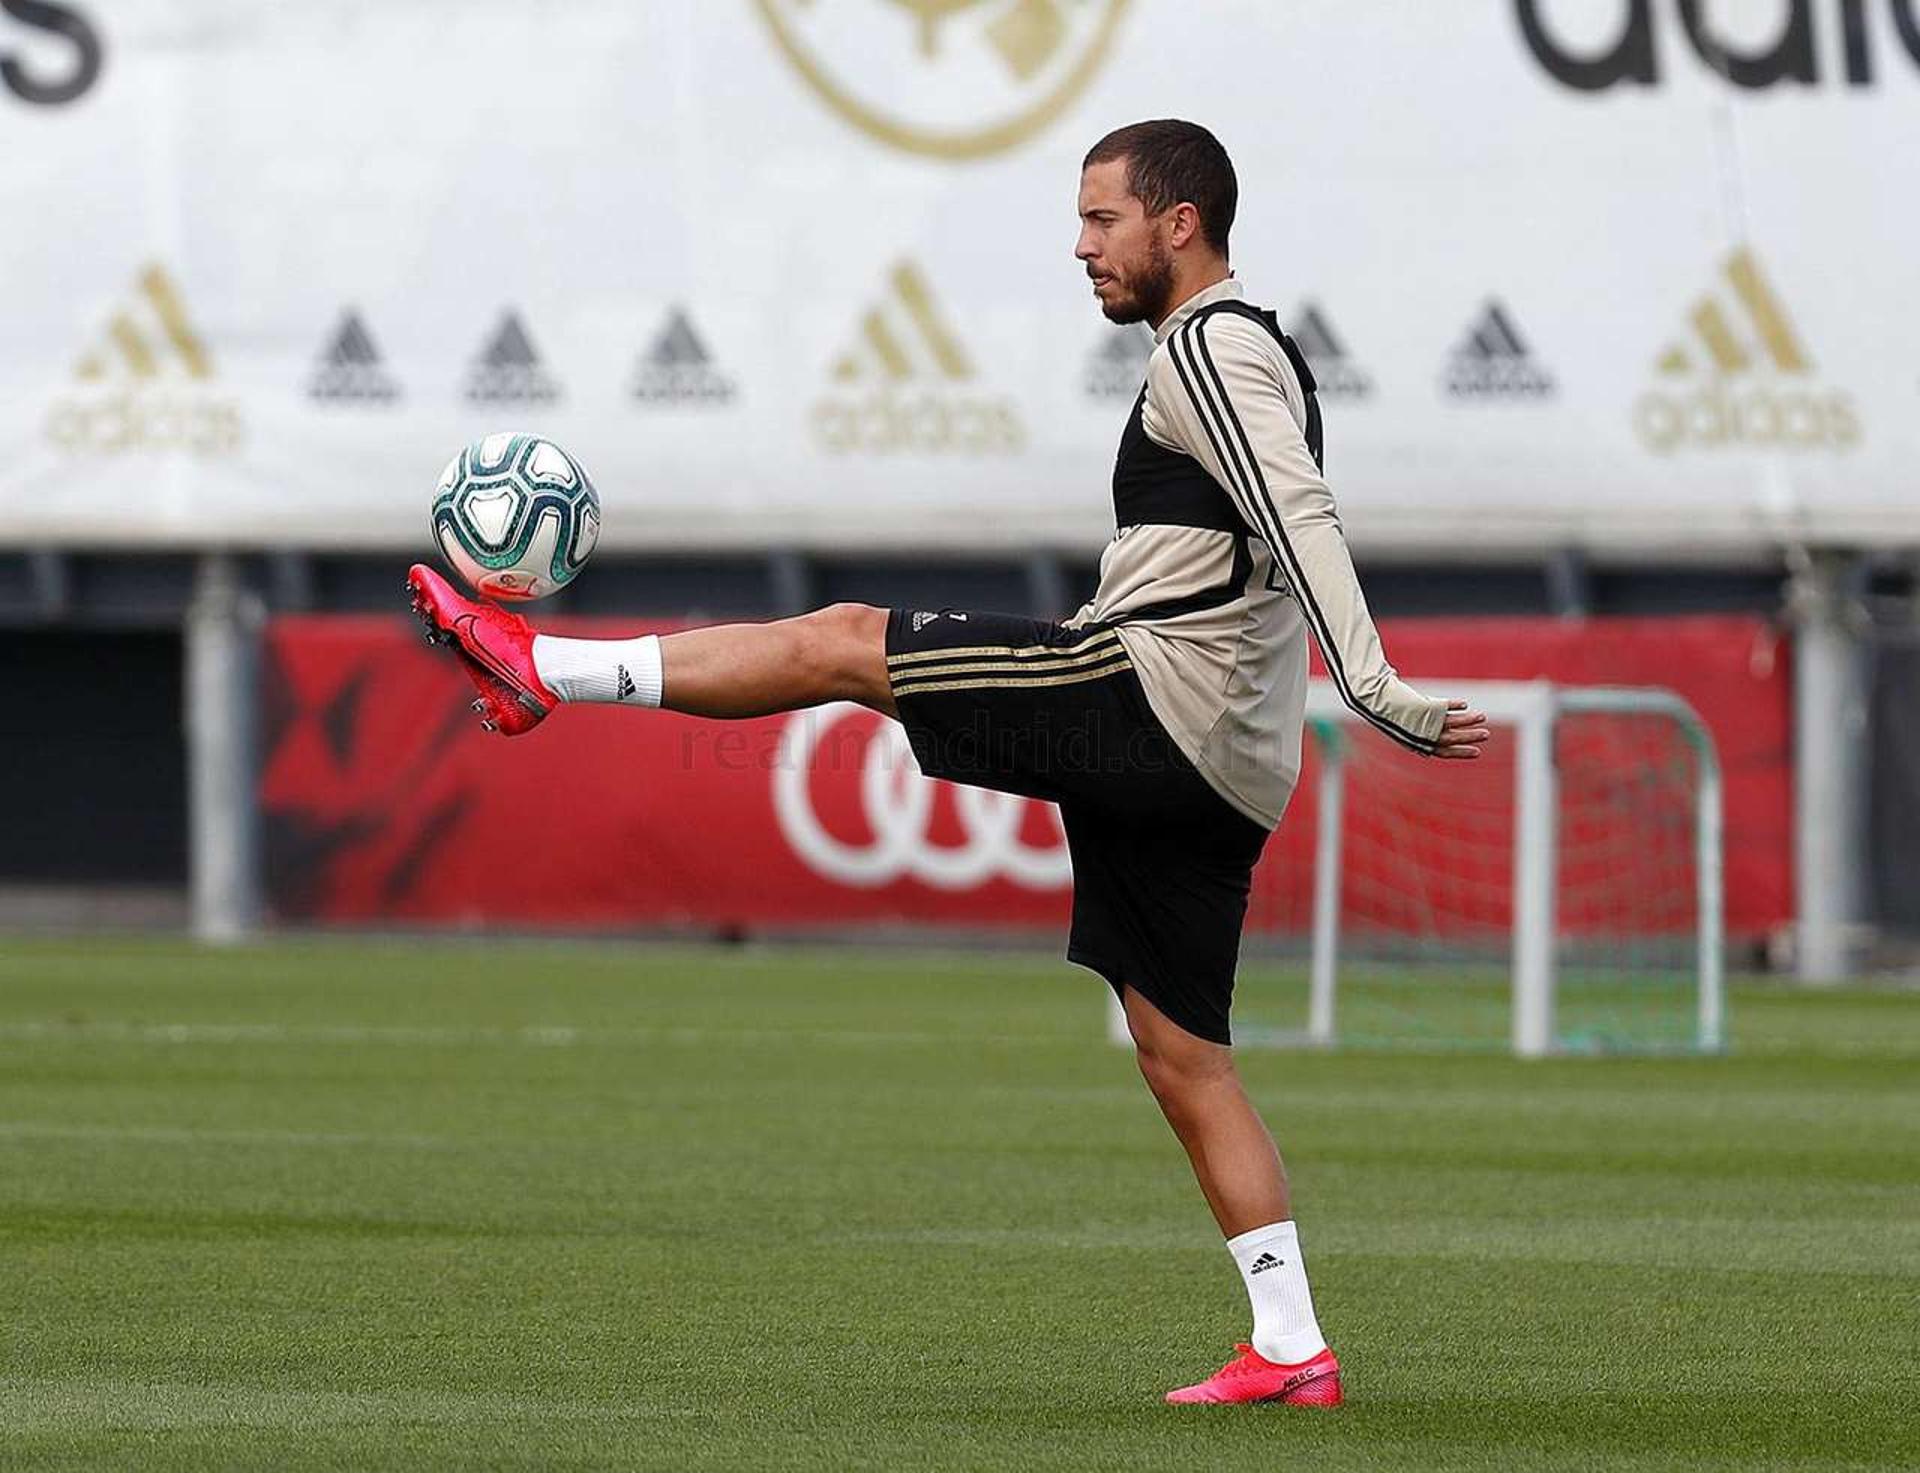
{"x": 1125, "y": 249}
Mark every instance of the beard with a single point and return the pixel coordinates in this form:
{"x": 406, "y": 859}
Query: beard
{"x": 1149, "y": 291}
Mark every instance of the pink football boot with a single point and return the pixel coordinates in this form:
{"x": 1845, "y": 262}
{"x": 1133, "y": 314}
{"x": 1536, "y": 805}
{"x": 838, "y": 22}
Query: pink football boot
{"x": 495, "y": 648}
{"x": 1249, "y": 1376}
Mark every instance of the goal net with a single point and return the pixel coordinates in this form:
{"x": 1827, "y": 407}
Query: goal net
{"x": 1560, "y": 894}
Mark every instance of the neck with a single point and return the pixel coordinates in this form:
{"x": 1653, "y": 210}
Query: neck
{"x": 1189, "y": 284}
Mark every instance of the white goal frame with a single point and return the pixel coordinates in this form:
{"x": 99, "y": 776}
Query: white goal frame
{"x": 1532, "y": 711}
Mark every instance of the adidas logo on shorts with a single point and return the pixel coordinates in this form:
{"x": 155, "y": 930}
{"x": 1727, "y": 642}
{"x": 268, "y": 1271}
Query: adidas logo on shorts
{"x": 921, "y": 618}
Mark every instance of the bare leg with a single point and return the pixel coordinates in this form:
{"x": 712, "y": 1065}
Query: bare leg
{"x": 838, "y": 653}
{"x": 1233, "y": 1154}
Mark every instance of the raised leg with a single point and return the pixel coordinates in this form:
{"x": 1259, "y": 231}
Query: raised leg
{"x": 838, "y": 653}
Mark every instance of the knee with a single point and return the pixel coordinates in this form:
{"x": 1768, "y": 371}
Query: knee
{"x": 841, "y": 640}
{"x": 1180, "y": 1073}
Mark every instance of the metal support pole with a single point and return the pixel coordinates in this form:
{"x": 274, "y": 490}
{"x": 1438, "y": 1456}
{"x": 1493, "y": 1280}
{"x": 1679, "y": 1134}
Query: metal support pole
{"x": 52, "y": 583}
{"x": 1047, "y": 594}
{"x": 1569, "y": 584}
{"x": 1829, "y": 765}
{"x": 223, "y": 627}
{"x": 1535, "y": 877}
{"x": 1326, "y": 882}
{"x": 790, "y": 577}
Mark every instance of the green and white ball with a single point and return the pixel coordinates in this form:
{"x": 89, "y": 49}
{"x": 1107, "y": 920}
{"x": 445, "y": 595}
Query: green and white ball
{"x": 516, "y": 516}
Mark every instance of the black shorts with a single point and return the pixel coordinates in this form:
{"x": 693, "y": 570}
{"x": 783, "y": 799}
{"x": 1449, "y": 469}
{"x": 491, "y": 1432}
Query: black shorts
{"x": 1161, "y": 862}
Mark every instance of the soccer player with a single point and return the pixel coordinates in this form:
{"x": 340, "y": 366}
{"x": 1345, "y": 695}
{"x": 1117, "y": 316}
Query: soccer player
{"x": 1164, "y": 718}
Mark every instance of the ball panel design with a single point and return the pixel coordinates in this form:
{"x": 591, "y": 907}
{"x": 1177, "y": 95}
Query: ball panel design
{"x": 491, "y": 511}
{"x": 494, "y": 454}
{"x": 451, "y": 550}
{"x": 586, "y": 535}
{"x": 516, "y": 516}
{"x": 548, "y": 464}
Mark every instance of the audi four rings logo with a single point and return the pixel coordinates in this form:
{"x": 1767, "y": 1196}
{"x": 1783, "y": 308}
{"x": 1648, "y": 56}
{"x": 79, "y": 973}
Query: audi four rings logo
{"x": 898, "y": 804}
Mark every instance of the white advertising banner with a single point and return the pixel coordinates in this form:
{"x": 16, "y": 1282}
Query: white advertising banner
{"x": 1639, "y": 276}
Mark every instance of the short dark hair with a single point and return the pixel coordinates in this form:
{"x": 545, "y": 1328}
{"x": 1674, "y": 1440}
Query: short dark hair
{"x": 1169, "y": 161}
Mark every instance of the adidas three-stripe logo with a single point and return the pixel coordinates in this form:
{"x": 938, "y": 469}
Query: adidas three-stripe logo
{"x": 906, "y": 383}
{"x": 1266, "y": 1261}
{"x": 1207, "y": 391}
{"x": 979, "y": 666}
{"x": 143, "y": 354}
{"x": 905, "y": 316}
{"x": 1739, "y": 374}
{"x": 1726, "y": 353}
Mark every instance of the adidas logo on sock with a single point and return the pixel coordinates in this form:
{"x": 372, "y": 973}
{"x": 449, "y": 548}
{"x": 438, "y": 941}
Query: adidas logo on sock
{"x": 1266, "y": 1261}
{"x": 623, "y": 685}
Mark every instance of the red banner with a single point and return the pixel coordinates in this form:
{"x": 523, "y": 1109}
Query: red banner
{"x": 384, "y": 802}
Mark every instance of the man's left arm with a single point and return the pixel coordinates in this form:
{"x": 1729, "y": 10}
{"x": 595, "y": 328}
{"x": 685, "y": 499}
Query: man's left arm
{"x": 1233, "y": 390}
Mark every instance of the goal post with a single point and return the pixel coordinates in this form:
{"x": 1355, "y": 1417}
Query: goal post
{"x": 1575, "y": 871}
{"x": 1709, "y": 836}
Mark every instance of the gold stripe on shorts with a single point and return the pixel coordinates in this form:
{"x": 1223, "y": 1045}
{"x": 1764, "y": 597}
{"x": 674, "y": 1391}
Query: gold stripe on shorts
{"x": 1009, "y": 668}
{"x": 1007, "y": 654}
{"x": 1111, "y": 662}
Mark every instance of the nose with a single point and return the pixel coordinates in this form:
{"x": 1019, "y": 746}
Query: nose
{"x": 1084, "y": 249}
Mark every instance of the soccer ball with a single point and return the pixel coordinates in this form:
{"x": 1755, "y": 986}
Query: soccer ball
{"x": 516, "y": 516}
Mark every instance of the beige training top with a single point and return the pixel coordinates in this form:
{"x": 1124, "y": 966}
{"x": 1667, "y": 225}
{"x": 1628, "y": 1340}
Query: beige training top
{"x": 1229, "y": 679}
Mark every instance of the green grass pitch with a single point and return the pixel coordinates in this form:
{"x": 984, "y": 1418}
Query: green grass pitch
{"x": 366, "y": 1205}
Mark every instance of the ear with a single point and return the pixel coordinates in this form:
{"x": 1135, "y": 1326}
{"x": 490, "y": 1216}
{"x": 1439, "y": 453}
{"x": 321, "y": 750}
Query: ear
{"x": 1184, "y": 226}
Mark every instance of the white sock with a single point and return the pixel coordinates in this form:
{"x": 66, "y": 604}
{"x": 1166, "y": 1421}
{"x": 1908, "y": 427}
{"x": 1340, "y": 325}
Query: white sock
{"x": 1284, "y": 1329}
{"x": 624, "y": 672}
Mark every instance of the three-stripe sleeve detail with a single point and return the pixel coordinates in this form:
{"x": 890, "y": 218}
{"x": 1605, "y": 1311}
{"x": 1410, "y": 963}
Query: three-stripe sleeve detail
{"x": 1234, "y": 450}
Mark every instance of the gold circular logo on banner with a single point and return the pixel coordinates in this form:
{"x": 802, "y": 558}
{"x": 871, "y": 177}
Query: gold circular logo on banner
{"x": 1025, "y": 61}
